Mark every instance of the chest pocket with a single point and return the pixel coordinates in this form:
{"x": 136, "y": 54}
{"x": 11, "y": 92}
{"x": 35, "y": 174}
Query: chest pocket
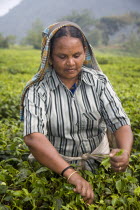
{"x": 90, "y": 122}
{"x": 90, "y": 116}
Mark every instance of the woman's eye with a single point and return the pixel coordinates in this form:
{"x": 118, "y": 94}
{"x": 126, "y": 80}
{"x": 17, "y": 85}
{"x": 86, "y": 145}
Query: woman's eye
{"x": 76, "y": 56}
{"x": 62, "y": 56}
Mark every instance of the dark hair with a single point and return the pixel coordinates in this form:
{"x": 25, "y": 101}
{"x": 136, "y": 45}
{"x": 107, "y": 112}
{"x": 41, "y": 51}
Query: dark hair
{"x": 67, "y": 31}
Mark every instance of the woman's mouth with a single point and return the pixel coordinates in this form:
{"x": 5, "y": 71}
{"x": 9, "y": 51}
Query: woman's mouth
{"x": 70, "y": 70}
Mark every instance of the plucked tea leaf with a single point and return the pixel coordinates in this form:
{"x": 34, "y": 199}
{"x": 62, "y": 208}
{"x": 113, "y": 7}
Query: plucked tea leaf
{"x": 106, "y": 163}
{"x": 119, "y": 153}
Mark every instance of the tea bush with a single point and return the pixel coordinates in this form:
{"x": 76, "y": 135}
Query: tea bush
{"x": 27, "y": 186}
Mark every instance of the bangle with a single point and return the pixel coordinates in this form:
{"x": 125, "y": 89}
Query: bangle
{"x": 65, "y": 170}
{"x": 71, "y": 175}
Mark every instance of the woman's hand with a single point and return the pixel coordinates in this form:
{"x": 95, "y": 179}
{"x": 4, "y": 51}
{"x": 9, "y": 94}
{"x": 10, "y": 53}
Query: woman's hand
{"x": 82, "y": 187}
{"x": 119, "y": 163}
{"x": 124, "y": 140}
{"x": 39, "y": 144}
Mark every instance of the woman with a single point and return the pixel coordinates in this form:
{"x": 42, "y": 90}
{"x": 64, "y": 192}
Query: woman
{"x": 69, "y": 104}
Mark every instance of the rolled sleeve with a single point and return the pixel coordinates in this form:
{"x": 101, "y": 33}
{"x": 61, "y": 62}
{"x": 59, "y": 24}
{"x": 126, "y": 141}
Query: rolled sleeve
{"x": 34, "y": 116}
{"x": 111, "y": 108}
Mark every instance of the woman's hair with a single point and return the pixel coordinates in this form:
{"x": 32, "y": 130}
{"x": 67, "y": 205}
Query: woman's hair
{"x": 67, "y": 31}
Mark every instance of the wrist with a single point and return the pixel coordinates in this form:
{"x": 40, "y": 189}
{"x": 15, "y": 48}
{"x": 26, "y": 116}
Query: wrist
{"x": 128, "y": 153}
{"x": 68, "y": 172}
{"x": 74, "y": 172}
{"x": 65, "y": 169}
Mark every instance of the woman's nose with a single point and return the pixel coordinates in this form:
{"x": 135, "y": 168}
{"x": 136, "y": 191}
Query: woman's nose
{"x": 70, "y": 62}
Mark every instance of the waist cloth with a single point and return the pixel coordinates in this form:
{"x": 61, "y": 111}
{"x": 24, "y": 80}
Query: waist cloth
{"x": 97, "y": 154}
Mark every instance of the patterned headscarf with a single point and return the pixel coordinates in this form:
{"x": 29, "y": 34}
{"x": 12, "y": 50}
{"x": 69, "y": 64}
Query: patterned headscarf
{"x": 48, "y": 33}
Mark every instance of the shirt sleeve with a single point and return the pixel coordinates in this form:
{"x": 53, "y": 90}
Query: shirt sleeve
{"x": 111, "y": 107}
{"x": 34, "y": 112}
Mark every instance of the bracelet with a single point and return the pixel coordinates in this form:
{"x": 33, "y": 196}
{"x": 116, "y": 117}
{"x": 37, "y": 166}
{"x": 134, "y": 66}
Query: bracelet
{"x": 71, "y": 175}
{"x": 65, "y": 170}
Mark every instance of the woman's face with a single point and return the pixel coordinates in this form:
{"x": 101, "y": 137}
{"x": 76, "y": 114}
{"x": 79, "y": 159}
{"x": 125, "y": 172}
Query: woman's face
{"x": 67, "y": 58}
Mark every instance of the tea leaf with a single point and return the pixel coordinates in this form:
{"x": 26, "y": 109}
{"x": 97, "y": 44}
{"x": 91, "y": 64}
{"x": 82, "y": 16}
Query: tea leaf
{"x": 137, "y": 191}
{"x": 119, "y": 186}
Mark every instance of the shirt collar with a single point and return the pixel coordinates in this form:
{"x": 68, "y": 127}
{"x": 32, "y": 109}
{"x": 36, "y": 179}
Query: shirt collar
{"x": 87, "y": 76}
{"x": 54, "y": 81}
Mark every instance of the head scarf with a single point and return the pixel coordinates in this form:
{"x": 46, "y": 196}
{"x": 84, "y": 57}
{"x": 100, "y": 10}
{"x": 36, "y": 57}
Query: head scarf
{"x": 48, "y": 33}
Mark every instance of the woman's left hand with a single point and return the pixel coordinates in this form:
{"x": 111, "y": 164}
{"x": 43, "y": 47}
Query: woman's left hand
{"x": 119, "y": 163}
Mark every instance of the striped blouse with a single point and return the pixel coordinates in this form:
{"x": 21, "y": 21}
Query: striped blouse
{"x": 75, "y": 123}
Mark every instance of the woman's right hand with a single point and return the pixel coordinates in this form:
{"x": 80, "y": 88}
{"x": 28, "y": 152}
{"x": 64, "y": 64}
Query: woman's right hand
{"x": 39, "y": 144}
{"x": 82, "y": 187}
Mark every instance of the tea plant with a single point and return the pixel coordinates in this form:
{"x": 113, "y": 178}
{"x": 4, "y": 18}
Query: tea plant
{"x": 30, "y": 186}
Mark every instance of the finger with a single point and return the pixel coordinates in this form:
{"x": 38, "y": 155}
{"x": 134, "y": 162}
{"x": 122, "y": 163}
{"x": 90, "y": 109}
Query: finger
{"x": 119, "y": 159}
{"x": 87, "y": 193}
{"x": 74, "y": 189}
{"x": 124, "y": 156}
{"x": 89, "y": 198}
{"x": 117, "y": 164}
{"x": 115, "y": 157}
{"x": 124, "y": 161}
{"x": 120, "y": 164}
{"x": 78, "y": 189}
{"x": 90, "y": 201}
{"x": 85, "y": 190}
{"x": 113, "y": 152}
{"x": 119, "y": 169}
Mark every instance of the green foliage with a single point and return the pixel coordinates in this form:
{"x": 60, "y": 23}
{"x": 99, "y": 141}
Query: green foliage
{"x": 111, "y": 25}
{"x": 125, "y": 71}
{"x": 95, "y": 37}
{"x": 132, "y": 44}
{"x": 34, "y": 35}
{"x": 5, "y": 42}
{"x": 31, "y": 186}
{"x": 100, "y": 31}
{"x": 83, "y": 19}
